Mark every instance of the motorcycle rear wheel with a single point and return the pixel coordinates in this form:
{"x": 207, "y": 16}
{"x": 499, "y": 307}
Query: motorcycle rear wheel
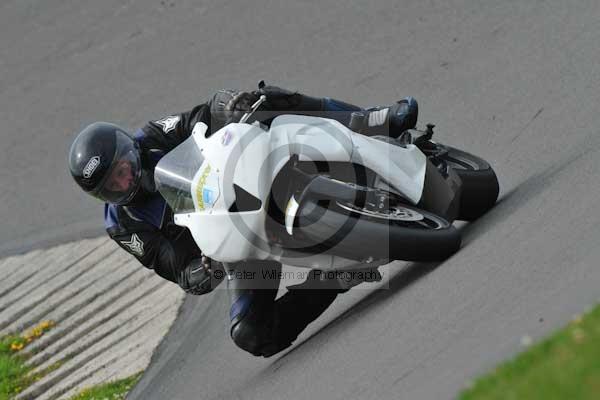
{"x": 480, "y": 186}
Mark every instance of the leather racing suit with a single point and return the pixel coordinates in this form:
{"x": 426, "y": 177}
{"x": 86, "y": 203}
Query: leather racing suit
{"x": 260, "y": 324}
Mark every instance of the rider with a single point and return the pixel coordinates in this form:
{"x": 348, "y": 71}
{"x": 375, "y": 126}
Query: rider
{"x": 117, "y": 168}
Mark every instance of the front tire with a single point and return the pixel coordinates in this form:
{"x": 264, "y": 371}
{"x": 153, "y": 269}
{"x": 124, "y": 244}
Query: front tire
{"x": 416, "y": 236}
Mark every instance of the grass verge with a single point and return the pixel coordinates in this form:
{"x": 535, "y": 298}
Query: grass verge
{"x": 14, "y": 373}
{"x": 116, "y": 390}
{"x": 16, "y": 376}
{"x": 566, "y": 365}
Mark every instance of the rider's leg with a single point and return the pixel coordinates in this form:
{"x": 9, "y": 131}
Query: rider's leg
{"x": 260, "y": 324}
{"x": 283, "y": 100}
{"x": 389, "y": 120}
{"x": 339, "y": 110}
{"x": 252, "y": 289}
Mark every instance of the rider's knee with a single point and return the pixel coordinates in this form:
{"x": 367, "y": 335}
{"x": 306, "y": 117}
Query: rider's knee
{"x": 246, "y": 337}
{"x": 256, "y": 339}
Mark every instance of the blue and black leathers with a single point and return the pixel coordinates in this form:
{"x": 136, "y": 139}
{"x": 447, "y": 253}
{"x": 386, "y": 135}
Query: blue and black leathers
{"x": 145, "y": 228}
{"x": 260, "y": 324}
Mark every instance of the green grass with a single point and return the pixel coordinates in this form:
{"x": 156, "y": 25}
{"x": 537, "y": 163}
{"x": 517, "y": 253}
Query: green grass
{"x": 109, "y": 391}
{"x": 13, "y": 370}
{"x": 15, "y": 375}
{"x": 566, "y": 365}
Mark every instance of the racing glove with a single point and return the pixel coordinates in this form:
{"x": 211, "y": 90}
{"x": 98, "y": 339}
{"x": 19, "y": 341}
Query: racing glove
{"x": 201, "y": 276}
{"x": 230, "y": 105}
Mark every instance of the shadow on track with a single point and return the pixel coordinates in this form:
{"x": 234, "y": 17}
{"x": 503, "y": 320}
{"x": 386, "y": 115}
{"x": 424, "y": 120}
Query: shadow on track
{"x": 409, "y": 274}
{"x": 509, "y": 203}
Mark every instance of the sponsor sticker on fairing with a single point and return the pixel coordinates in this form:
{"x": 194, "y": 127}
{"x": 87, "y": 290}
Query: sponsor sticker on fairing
{"x": 208, "y": 196}
{"x": 226, "y": 138}
{"x": 207, "y": 189}
{"x": 200, "y": 190}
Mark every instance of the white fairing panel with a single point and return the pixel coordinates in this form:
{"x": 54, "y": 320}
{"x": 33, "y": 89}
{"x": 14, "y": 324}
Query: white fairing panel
{"x": 402, "y": 168}
{"x": 237, "y": 154}
{"x": 248, "y": 156}
{"x": 314, "y": 139}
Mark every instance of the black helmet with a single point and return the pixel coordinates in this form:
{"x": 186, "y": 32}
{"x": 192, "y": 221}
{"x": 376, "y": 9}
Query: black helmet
{"x": 105, "y": 161}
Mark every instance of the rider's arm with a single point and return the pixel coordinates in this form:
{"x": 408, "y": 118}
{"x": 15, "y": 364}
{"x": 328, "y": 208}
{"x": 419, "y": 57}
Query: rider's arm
{"x": 227, "y": 105}
{"x": 167, "y": 258}
{"x": 177, "y": 260}
{"x": 226, "y": 102}
{"x": 166, "y": 133}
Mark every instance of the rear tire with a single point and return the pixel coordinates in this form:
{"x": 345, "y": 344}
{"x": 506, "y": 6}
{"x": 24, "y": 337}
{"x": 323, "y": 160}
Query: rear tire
{"x": 348, "y": 233}
{"x": 479, "y": 183}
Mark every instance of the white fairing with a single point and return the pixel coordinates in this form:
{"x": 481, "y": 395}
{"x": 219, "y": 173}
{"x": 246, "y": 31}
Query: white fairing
{"x": 248, "y": 156}
{"x": 402, "y": 168}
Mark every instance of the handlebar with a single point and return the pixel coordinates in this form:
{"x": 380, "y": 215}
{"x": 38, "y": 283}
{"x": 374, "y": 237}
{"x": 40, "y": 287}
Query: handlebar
{"x": 254, "y": 107}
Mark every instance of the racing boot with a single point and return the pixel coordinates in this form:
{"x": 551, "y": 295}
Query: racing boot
{"x": 389, "y": 121}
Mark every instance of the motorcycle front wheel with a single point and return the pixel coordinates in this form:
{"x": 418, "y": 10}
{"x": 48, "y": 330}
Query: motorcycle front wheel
{"x": 397, "y": 232}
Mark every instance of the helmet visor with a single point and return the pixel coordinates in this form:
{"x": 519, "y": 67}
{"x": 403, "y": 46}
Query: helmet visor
{"x": 122, "y": 180}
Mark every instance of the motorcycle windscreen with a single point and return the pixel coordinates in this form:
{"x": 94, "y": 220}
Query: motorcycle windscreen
{"x": 175, "y": 173}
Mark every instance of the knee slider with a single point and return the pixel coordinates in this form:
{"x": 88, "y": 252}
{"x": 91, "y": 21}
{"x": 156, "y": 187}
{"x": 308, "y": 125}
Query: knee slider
{"x": 256, "y": 339}
{"x": 247, "y": 337}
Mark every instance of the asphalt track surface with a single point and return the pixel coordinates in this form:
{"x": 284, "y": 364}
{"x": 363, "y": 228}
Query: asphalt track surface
{"x": 516, "y": 82}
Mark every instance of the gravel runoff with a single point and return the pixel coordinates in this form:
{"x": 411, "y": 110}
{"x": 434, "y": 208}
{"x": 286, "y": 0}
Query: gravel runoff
{"x": 110, "y": 313}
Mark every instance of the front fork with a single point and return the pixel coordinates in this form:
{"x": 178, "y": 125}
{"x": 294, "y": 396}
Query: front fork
{"x": 435, "y": 152}
{"x": 441, "y": 192}
{"x": 441, "y": 189}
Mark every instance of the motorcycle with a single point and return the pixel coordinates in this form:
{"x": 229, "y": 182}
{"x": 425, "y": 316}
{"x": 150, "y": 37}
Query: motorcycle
{"x": 308, "y": 191}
